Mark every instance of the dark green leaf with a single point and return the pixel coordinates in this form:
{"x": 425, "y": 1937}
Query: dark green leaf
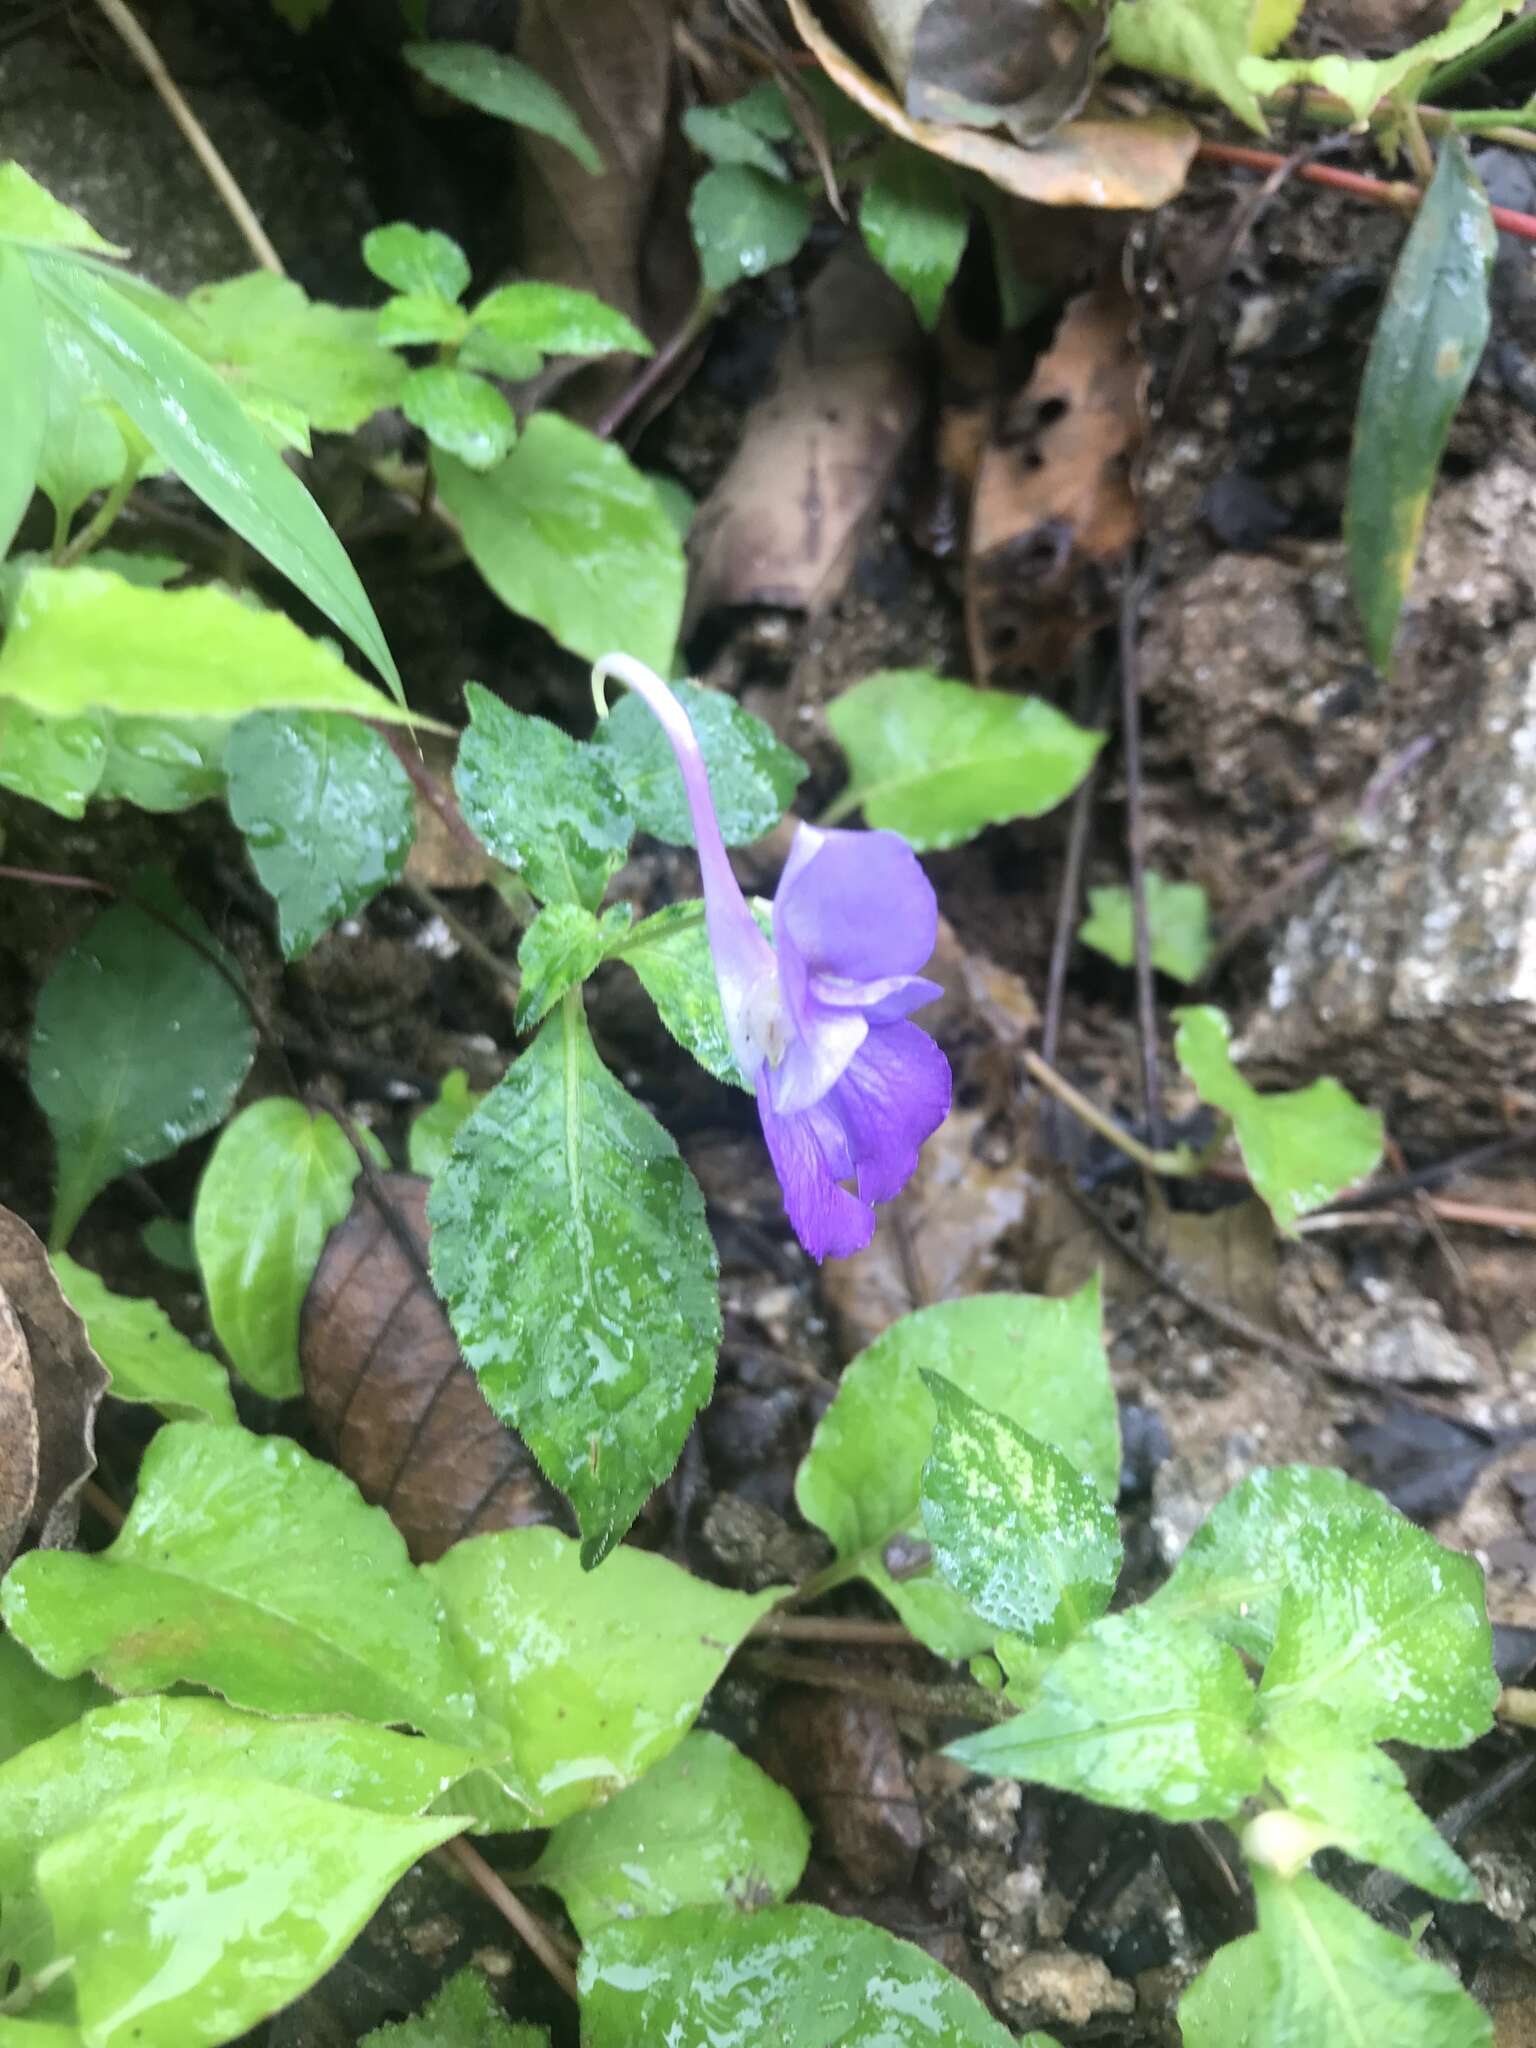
{"x": 670, "y": 953}
{"x": 500, "y": 85}
{"x": 716, "y": 133}
{"x": 139, "y": 1044}
{"x": 327, "y": 811}
{"x": 1428, "y": 342}
{"x": 596, "y": 1339}
{"x": 23, "y": 391}
{"x": 433, "y": 1129}
{"x": 464, "y": 2014}
{"x": 266, "y": 335}
{"x": 554, "y": 320}
{"x": 915, "y": 222}
{"x": 745, "y": 223}
{"x": 142, "y": 1349}
{"x": 559, "y": 950}
{"x": 1178, "y": 927}
{"x": 35, "y": 1705}
{"x": 752, "y": 778}
{"x": 460, "y": 414}
{"x": 412, "y": 259}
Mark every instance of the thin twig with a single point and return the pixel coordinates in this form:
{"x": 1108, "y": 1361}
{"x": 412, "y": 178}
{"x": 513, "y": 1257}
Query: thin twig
{"x": 220, "y": 176}
{"x": 432, "y": 905}
{"x": 658, "y": 367}
{"x": 41, "y": 878}
{"x": 1136, "y": 849}
{"x": 521, "y": 1918}
{"x": 906, "y": 1695}
{"x": 1179, "y": 1163}
{"x": 96, "y": 1496}
{"x": 1404, "y": 198}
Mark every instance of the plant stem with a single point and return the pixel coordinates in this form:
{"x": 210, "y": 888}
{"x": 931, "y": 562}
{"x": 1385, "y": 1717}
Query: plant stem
{"x": 634, "y": 394}
{"x": 1405, "y": 198}
{"x": 827, "y": 1580}
{"x": 1136, "y": 850}
{"x": 1179, "y": 1163}
{"x": 101, "y": 521}
{"x": 519, "y": 1917}
{"x": 1517, "y": 1703}
{"x": 833, "y": 1628}
{"x": 1488, "y": 52}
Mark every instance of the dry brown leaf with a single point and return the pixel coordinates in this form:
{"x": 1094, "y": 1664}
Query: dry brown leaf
{"x": 394, "y": 1401}
{"x": 1054, "y": 512}
{"x": 68, "y": 1381}
{"x": 18, "y": 1433}
{"x": 1132, "y": 163}
{"x": 842, "y": 1759}
{"x": 782, "y": 524}
{"x": 1023, "y": 65}
{"x": 1229, "y": 1256}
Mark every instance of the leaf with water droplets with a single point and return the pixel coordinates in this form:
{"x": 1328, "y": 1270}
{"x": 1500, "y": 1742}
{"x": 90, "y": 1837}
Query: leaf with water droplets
{"x": 752, "y": 778}
{"x": 147, "y": 1356}
{"x": 669, "y": 951}
{"x": 745, "y": 222}
{"x": 559, "y": 950}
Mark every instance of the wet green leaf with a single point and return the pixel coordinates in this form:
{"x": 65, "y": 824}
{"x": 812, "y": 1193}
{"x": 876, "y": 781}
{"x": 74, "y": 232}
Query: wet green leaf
{"x": 559, "y": 950}
{"x": 30, "y": 214}
{"x": 1302, "y": 1147}
{"x": 420, "y": 318}
{"x": 568, "y": 533}
{"x": 327, "y": 812}
{"x": 599, "y": 1675}
{"x": 459, "y": 413}
{"x": 553, "y": 320}
{"x": 539, "y": 802}
{"x": 162, "y": 764}
{"x": 716, "y": 133}
{"x": 412, "y": 259}
{"x": 1141, "y": 1713}
{"x": 1363, "y": 83}
{"x": 278, "y": 1182}
{"x": 937, "y": 761}
{"x": 1428, "y": 343}
{"x": 752, "y": 778}
{"x": 82, "y": 449}
{"x": 500, "y": 85}
{"x": 670, "y": 953}
{"x": 54, "y": 761}
{"x": 1318, "y": 1972}
{"x": 23, "y": 391}
{"x": 1178, "y": 927}
{"x": 1203, "y": 42}
{"x": 198, "y": 427}
{"x": 266, "y": 335}
{"x": 138, "y": 1044}
{"x": 1039, "y": 1363}
{"x": 706, "y": 1978}
{"x": 34, "y": 1704}
{"x": 142, "y": 1349}
{"x": 434, "y": 1128}
{"x": 1022, "y": 1536}
{"x": 745, "y": 222}
{"x": 915, "y": 222}
{"x": 464, "y": 2014}
{"x": 704, "y": 1827}
{"x": 597, "y": 1341}
{"x": 194, "y": 1911}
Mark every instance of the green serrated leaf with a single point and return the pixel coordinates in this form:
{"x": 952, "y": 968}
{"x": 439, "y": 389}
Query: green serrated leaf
{"x": 598, "y": 1341}
{"x": 464, "y": 2014}
{"x": 265, "y": 334}
{"x": 559, "y": 950}
{"x": 327, "y": 812}
{"x": 34, "y": 1704}
{"x": 599, "y": 1675}
{"x": 1428, "y": 343}
{"x": 745, "y": 223}
{"x": 1016, "y": 1529}
{"x": 555, "y": 320}
{"x": 752, "y": 777}
{"x": 162, "y": 764}
{"x": 23, "y": 391}
{"x": 704, "y": 1827}
{"x": 278, "y": 1182}
{"x": 142, "y": 1349}
{"x": 412, "y": 259}
{"x": 139, "y": 1043}
{"x": 54, "y": 761}
{"x": 412, "y": 319}
{"x": 704, "y": 1977}
{"x": 915, "y": 222}
{"x": 1362, "y": 83}
{"x": 1140, "y": 1713}
{"x": 568, "y": 533}
{"x": 938, "y": 761}
{"x": 1178, "y": 927}
{"x": 1039, "y": 1363}
{"x": 539, "y": 802}
{"x": 434, "y": 1128}
{"x": 460, "y": 413}
{"x": 715, "y": 132}
{"x": 670, "y": 953}
{"x": 1301, "y": 1148}
{"x": 31, "y": 215}
{"x": 501, "y": 86}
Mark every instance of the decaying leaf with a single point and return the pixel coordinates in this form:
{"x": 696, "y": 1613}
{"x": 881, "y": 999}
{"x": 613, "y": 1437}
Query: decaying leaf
{"x": 782, "y": 524}
{"x": 67, "y": 1381}
{"x": 1054, "y": 512}
{"x": 397, "y": 1406}
{"x": 843, "y": 1761}
{"x": 18, "y": 1433}
{"x": 1136, "y": 163}
{"x": 1023, "y": 65}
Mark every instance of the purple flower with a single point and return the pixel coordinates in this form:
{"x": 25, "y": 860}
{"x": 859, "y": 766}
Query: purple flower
{"x": 846, "y": 1087}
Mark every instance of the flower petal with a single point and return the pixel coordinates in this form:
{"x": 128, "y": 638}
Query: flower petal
{"x": 856, "y": 905}
{"x": 894, "y": 1094}
{"x": 882, "y": 1002}
{"x": 810, "y": 1156}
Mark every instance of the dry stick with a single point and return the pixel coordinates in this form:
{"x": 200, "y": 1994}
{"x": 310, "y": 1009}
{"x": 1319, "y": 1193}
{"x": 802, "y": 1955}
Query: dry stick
{"x": 522, "y": 1919}
{"x": 1096, "y": 1120}
{"x": 906, "y": 1695}
{"x": 817, "y": 1628}
{"x": 431, "y": 905}
{"x": 96, "y": 1496}
{"x": 1404, "y": 198}
{"x": 219, "y": 174}
{"x": 1136, "y": 847}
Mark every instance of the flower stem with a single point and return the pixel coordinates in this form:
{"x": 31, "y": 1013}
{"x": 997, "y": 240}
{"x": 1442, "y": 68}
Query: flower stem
{"x": 1180, "y": 1162}
{"x": 101, "y": 521}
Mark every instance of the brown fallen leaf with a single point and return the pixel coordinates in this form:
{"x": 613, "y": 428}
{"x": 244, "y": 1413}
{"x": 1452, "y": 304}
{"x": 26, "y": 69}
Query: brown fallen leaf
{"x": 1132, "y": 163}
{"x": 1054, "y": 514}
{"x": 1023, "y": 65}
{"x": 842, "y": 1759}
{"x": 390, "y": 1394}
{"x": 18, "y": 1433}
{"x": 67, "y": 1383}
{"x": 781, "y": 526}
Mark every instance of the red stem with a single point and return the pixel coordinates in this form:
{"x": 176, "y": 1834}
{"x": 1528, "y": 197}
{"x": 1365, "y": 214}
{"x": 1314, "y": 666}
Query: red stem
{"x": 1405, "y": 198}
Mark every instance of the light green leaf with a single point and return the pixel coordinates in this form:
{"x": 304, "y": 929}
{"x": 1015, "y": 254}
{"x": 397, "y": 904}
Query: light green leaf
{"x": 460, "y": 414}
{"x": 194, "y": 1911}
{"x": 249, "y": 1567}
{"x": 433, "y": 1129}
{"x": 1178, "y": 927}
{"x": 31, "y": 215}
{"x": 412, "y": 259}
{"x": 1301, "y": 1148}
{"x": 499, "y": 85}
{"x": 745, "y": 223}
{"x": 328, "y": 815}
{"x": 752, "y": 778}
{"x": 154, "y": 571}
{"x": 85, "y": 639}
{"x": 142, "y": 1349}
{"x": 1319, "y": 1972}
{"x": 1039, "y": 1363}
{"x": 716, "y": 133}
{"x": 704, "y": 1978}
{"x": 539, "y": 802}
{"x": 598, "y": 1675}
{"x": 412, "y": 318}
{"x": 162, "y": 764}
{"x": 1016, "y": 1529}
{"x": 83, "y": 449}
{"x": 265, "y": 334}
{"x": 279, "y": 1180}
{"x": 559, "y": 950}
{"x": 704, "y": 1827}
{"x": 915, "y": 222}
{"x": 23, "y": 391}
{"x": 568, "y": 533}
{"x": 555, "y": 320}
{"x": 197, "y": 426}
{"x": 1140, "y": 1713}
{"x": 677, "y": 501}
{"x": 598, "y": 1342}
{"x": 1203, "y": 42}
{"x": 35, "y": 1705}
{"x": 937, "y": 761}
{"x": 670, "y": 952}
{"x": 54, "y": 761}
{"x": 1429, "y": 340}
{"x": 138, "y": 1044}
{"x": 1362, "y": 83}
{"x": 464, "y": 2014}
{"x": 482, "y": 348}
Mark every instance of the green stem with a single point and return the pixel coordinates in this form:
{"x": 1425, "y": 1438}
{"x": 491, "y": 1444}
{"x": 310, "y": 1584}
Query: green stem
{"x": 1179, "y": 1163}
{"x": 1488, "y": 52}
{"x": 101, "y": 521}
{"x": 827, "y": 1580}
{"x": 1489, "y": 117}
